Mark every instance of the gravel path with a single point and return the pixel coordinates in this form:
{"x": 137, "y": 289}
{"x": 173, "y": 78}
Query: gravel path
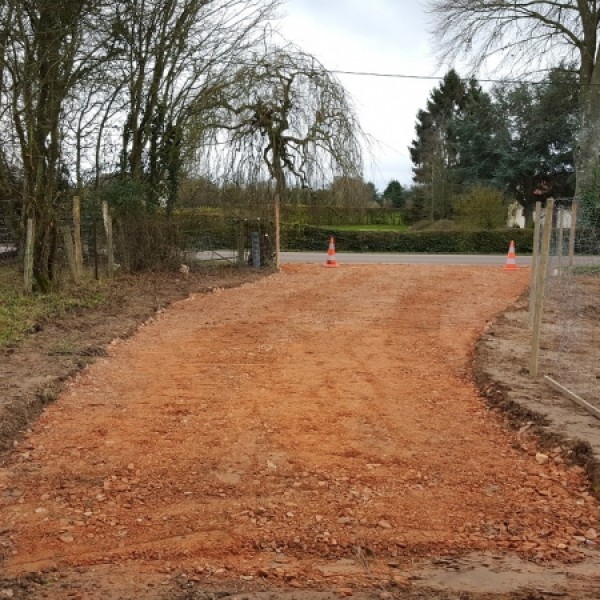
{"x": 276, "y": 429}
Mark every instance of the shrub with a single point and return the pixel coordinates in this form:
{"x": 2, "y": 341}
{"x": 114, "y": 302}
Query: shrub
{"x": 481, "y": 208}
{"x": 300, "y": 237}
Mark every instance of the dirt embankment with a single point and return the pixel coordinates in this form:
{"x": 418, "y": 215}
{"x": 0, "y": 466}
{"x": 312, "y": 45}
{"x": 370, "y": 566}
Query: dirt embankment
{"x": 501, "y": 370}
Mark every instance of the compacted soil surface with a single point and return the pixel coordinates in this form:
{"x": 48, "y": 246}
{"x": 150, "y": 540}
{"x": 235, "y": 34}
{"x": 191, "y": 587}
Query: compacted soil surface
{"x": 570, "y": 355}
{"x": 312, "y": 434}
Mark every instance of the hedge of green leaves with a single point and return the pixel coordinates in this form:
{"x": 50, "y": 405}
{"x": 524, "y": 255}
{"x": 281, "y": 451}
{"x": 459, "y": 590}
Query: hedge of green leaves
{"x": 216, "y": 231}
{"x": 304, "y": 237}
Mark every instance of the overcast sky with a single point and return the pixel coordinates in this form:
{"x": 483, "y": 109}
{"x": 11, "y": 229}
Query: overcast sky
{"x": 386, "y": 36}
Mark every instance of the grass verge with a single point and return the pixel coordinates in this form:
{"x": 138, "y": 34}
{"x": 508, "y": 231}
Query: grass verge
{"x": 20, "y": 313}
{"x": 367, "y": 227}
{"x": 593, "y": 270}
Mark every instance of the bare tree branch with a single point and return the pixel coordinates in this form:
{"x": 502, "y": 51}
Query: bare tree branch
{"x": 526, "y": 33}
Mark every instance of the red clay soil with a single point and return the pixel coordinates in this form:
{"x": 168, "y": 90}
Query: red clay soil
{"x": 315, "y": 415}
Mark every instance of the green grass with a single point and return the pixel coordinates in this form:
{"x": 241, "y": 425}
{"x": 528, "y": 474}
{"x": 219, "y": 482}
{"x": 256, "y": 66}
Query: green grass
{"x": 587, "y": 270}
{"x": 19, "y": 313}
{"x": 366, "y": 227}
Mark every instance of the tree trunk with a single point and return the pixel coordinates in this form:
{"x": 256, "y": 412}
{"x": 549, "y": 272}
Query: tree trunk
{"x": 588, "y": 146}
{"x": 44, "y": 254}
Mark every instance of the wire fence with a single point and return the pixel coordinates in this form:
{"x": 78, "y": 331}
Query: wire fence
{"x": 229, "y": 226}
{"x": 569, "y": 339}
{"x": 9, "y": 239}
{"x": 89, "y": 240}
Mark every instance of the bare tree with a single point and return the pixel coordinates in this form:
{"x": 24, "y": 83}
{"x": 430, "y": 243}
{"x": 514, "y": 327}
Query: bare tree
{"x": 286, "y": 114}
{"x": 84, "y": 81}
{"x": 174, "y": 54}
{"x": 527, "y": 32}
{"x": 50, "y": 48}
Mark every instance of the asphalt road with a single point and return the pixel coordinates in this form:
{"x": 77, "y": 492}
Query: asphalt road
{"x": 391, "y": 258}
{"x": 378, "y": 258}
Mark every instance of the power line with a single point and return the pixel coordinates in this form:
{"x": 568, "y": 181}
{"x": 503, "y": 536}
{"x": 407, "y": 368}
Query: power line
{"x": 383, "y": 75}
{"x": 387, "y": 75}
{"x": 439, "y": 77}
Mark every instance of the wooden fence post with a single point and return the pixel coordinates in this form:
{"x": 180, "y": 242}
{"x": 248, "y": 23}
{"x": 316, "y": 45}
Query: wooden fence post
{"x": 277, "y": 230}
{"x": 110, "y": 252}
{"x": 535, "y": 259}
{"x": 68, "y": 238}
{"x": 28, "y": 270}
{"x": 77, "y": 236}
{"x": 559, "y": 249}
{"x": 241, "y": 238}
{"x": 572, "y": 232}
{"x": 540, "y": 288}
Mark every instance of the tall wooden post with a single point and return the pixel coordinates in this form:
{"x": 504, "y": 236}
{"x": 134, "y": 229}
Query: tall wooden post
{"x": 241, "y": 238}
{"x": 559, "y": 249}
{"x": 28, "y": 270}
{"x": 277, "y": 229}
{"x": 572, "y": 233}
{"x": 108, "y": 228}
{"x": 540, "y": 289}
{"x": 535, "y": 259}
{"x": 77, "y": 236}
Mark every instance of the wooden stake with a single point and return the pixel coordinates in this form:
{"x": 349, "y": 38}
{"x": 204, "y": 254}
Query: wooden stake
{"x": 241, "y": 242}
{"x": 572, "y": 233}
{"x": 277, "y": 230}
{"x": 534, "y": 260}
{"x": 540, "y": 288}
{"x": 77, "y": 236}
{"x": 28, "y": 271}
{"x": 569, "y": 394}
{"x": 68, "y": 238}
{"x": 559, "y": 250}
{"x": 108, "y": 228}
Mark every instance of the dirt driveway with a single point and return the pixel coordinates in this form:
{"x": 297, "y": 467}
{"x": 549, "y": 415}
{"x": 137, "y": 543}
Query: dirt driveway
{"x": 316, "y": 424}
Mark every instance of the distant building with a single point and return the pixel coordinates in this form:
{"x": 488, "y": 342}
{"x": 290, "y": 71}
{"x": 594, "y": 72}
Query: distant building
{"x": 557, "y": 221}
{"x": 516, "y": 218}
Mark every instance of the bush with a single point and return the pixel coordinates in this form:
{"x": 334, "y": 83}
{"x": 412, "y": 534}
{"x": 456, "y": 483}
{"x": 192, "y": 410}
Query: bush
{"x": 298, "y": 237}
{"x": 481, "y": 208}
{"x": 440, "y": 225}
{"x": 147, "y": 242}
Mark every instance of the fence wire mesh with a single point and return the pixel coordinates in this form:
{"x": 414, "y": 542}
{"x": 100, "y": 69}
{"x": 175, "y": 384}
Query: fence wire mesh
{"x": 571, "y": 340}
{"x": 9, "y": 239}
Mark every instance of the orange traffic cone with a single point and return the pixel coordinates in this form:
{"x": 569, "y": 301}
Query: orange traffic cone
{"x": 331, "y": 262}
{"x": 511, "y": 259}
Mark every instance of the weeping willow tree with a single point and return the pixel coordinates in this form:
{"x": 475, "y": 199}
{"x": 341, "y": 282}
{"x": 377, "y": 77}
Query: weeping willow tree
{"x": 284, "y": 117}
{"x": 175, "y": 53}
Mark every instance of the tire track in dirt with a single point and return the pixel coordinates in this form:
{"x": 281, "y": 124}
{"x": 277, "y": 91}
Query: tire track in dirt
{"x": 311, "y": 413}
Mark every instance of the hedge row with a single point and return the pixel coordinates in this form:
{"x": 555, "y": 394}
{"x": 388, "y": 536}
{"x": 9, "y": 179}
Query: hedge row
{"x": 215, "y": 231}
{"x": 304, "y": 237}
